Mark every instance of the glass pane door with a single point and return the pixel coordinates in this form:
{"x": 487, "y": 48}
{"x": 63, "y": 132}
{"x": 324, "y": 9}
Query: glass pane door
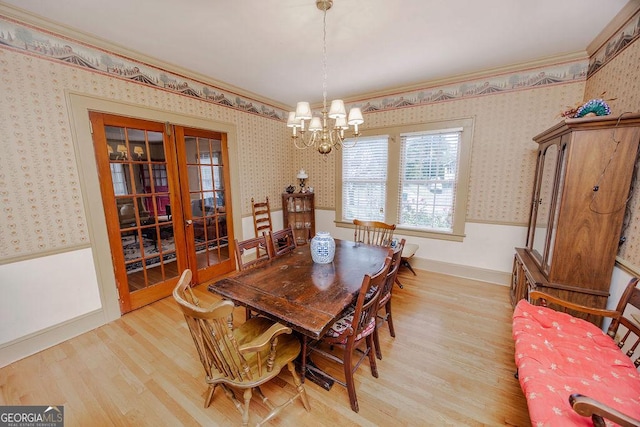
{"x": 165, "y": 196}
{"x": 134, "y": 160}
{"x": 202, "y": 155}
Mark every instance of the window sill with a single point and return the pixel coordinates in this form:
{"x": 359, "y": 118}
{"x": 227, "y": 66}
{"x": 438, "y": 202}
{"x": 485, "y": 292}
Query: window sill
{"x": 413, "y": 232}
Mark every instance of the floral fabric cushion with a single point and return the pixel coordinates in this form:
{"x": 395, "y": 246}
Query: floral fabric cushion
{"x": 558, "y": 355}
{"x": 345, "y": 321}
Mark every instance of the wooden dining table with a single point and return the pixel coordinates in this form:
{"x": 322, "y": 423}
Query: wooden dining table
{"x": 295, "y": 291}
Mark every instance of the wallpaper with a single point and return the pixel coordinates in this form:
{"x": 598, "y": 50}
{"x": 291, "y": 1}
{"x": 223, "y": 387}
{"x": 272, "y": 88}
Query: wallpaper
{"x": 39, "y": 180}
{"x": 40, "y": 195}
{"x": 620, "y": 79}
{"x": 43, "y": 43}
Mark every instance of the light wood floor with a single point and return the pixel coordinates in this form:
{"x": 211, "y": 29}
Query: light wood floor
{"x": 451, "y": 364}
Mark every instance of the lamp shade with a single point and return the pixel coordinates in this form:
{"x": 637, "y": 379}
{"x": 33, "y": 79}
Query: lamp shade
{"x": 355, "y": 116}
{"x": 337, "y": 109}
{"x": 302, "y": 174}
{"x": 341, "y": 123}
{"x": 292, "y": 122}
{"x": 303, "y": 111}
{"x": 315, "y": 124}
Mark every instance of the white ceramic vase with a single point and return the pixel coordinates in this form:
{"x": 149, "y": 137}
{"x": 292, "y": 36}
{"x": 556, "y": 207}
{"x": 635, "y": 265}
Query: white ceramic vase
{"x": 323, "y": 248}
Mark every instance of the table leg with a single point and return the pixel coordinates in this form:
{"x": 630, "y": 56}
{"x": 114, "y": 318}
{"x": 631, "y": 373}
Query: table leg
{"x": 315, "y": 377}
{"x": 303, "y": 362}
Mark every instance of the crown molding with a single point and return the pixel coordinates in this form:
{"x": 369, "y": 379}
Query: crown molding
{"x": 621, "y": 19}
{"x": 62, "y": 30}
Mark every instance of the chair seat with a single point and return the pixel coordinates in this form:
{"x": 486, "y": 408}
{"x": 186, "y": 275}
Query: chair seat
{"x": 345, "y": 322}
{"x": 287, "y": 350}
{"x": 409, "y": 250}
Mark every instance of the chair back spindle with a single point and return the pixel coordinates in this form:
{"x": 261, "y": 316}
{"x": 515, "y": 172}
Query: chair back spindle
{"x": 373, "y": 232}
{"x": 242, "y": 358}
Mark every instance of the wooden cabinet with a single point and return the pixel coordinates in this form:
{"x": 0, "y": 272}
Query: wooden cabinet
{"x": 582, "y": 185}
{"x": 299, "y": 213}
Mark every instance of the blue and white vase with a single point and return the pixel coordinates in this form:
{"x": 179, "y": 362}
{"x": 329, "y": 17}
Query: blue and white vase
{"x": 323, "y": 248}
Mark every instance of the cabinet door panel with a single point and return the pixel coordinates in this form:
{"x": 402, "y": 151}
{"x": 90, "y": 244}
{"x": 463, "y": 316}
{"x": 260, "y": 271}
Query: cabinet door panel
{"x": 544, "y": 202}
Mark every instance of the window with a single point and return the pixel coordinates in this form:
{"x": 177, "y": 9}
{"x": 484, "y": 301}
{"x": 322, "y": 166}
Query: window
{"x": 364, "y": 179}
{"x": 118, "y": 178}
{"x": 413, "y": 176}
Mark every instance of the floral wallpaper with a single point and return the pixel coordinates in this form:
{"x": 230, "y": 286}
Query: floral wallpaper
{"x": 619, "y": 79}
{"x": 39, "y": 181}
{"x": 40, "y": 193}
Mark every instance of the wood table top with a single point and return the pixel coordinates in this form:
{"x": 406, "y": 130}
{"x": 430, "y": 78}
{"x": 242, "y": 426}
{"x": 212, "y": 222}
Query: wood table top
{"x": 305, "y": 296}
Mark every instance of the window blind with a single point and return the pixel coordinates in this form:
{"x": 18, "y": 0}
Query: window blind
{"x": 364, "y": 179}
{"x": 428, "y": 179}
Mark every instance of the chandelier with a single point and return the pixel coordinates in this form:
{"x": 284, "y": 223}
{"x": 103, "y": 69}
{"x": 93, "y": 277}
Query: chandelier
{"x": 321, "y": 133}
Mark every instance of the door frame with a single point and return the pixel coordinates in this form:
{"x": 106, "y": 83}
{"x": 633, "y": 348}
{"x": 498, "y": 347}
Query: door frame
{"x": 79, "y": 106}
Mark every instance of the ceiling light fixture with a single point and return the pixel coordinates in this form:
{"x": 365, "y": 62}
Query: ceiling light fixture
{"x": 321, "y": 134}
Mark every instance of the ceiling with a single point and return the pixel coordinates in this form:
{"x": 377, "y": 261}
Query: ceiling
{"x": 273, "y": 48}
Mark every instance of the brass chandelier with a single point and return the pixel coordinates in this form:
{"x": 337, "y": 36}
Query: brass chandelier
{"x": 321, "y": 133}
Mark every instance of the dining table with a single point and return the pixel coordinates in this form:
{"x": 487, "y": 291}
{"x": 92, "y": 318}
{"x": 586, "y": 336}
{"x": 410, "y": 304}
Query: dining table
{"x": 307, "y": 297}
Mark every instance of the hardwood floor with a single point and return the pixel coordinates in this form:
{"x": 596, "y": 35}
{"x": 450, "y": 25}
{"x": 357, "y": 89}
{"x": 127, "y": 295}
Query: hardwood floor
{"x": 451, "y": 364}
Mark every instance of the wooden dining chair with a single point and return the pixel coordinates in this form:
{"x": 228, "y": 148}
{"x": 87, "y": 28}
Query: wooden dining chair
{"x": 282, "y": 242}
{"x": 251, "y": 253}
{"x": 239, "y": 360}
{"x": 385, "y": 297}
{"x": 355, "y": 326}
{"x": 373, "y": 232}
{"x": 261, "y": 216}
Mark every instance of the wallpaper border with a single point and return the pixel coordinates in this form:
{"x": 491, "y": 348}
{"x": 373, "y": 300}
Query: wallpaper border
{"x": 36, "y": 41}
{"x": 33, "y": 40}
{"x": 615, "y": 44}
{"x": 524, "y": 79}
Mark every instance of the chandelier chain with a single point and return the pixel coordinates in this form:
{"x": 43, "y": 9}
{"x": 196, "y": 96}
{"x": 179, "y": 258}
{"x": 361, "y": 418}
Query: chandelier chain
{"x": 321, "y": 133}
{"x": 324, "y": 60}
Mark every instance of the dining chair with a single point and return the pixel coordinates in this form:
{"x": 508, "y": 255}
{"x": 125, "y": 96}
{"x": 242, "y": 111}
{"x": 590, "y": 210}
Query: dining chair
{"x": 373, "y": 232}
{"x": 386, "y": 295}
{"x": 282, "y": 242}
{"x": 261, "y": 216}
{"x": 355, "y": 326}
{"x": 408, "y": 252}
{"x": 251, "y": 253}
{"x": 239, "y": 360}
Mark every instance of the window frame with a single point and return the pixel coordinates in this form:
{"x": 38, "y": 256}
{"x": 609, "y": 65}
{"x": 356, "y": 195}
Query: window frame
{"x": 393, "y": 177}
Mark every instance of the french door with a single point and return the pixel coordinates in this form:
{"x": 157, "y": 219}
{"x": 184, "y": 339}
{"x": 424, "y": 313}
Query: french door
{"x": 165, "y": 191}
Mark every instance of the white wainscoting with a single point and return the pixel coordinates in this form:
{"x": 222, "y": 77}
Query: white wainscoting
{"x": 47, "y": 300}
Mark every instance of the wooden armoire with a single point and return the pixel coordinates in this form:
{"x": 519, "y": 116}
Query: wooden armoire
{"x": 582, "y": 184}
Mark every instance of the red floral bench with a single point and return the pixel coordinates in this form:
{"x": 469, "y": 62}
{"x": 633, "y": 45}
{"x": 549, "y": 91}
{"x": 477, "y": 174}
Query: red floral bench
{"x": 572, "y": 373}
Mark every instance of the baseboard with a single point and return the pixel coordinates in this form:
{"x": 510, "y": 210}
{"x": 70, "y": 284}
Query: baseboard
{"x": 41, "y": 340}
{"x": 458, "y": 270}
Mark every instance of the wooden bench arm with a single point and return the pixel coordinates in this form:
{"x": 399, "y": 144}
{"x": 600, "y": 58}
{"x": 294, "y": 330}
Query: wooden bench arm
{"x": 588, "y": 407}
{"x": 534, "y": 295}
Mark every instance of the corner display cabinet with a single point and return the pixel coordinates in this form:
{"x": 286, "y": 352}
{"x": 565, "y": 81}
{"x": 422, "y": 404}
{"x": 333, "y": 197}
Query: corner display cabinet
{"x": 299, "y": 213}
{"x": 582, "y": 185}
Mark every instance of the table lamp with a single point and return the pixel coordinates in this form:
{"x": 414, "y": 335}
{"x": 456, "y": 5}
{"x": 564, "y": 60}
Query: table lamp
{"x": 302, "y": 176}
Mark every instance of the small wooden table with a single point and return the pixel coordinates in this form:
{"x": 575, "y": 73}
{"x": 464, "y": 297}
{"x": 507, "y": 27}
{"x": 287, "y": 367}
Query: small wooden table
{"x": 305, "y": 296}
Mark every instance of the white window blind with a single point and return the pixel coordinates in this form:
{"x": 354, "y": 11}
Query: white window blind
{"x": 364, "y": 179}
{"x": 118, "y": 178}
{"x": 428, "y": 179}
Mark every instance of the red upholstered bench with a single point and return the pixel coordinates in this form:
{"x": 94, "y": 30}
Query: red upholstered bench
{"x": 572, "y": 373}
